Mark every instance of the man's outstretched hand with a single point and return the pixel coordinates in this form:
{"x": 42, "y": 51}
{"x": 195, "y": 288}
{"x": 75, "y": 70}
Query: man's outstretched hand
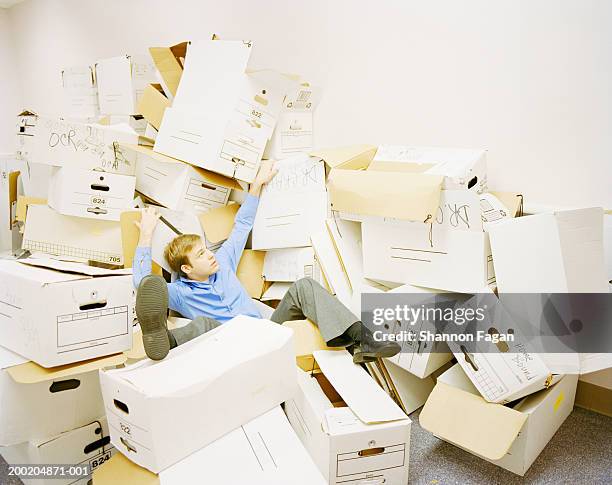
{"x": 264, "y": 175}
{"x": 148, "y": 220}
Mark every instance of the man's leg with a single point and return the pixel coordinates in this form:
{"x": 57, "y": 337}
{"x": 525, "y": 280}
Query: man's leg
{"x": 338, "y": 326}
{"x": 152, "y": 310}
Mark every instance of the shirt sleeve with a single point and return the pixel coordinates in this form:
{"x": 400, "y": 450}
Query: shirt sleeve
{"x": 231, "y": 250}
{"x": 142, "y": 266}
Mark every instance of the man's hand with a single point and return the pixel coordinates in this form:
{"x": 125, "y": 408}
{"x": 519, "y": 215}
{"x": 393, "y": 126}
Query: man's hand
{"x": 265, "y": 173}
{"x": 148, "y": 220}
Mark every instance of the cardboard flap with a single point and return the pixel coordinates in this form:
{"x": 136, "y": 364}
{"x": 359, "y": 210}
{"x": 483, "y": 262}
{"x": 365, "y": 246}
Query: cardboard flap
{"x": 168, "y": 62}
{"x": 119, "y": 468}
{"x": 400, "y": 195}
{"x": 469, "y": 421}
{"x": 22, "y": 206}
{"x": 77, "y": 268}
{"x": 250, "y": 272}
{"x": 365, "y": 398}
{"x": 153, "y": 104}
{"x": 32, "y": 373}
{"x": 217, "y": 223}
{"x": 354, "y": 157}
{"x": 514, "y": 202}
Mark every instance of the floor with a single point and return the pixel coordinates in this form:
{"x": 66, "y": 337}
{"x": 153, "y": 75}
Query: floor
{"x": 580, "y": 452}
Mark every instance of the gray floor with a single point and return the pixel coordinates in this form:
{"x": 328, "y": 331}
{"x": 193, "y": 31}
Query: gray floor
{"x": 580, "y": 452}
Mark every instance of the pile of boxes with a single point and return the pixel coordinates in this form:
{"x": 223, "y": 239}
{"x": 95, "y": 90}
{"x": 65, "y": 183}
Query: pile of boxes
{"x": 185, "y": 130}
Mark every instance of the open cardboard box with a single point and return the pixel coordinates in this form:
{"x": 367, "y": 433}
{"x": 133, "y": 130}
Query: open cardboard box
{"x": 87, "y": 445}
{"x": 87, "y": 311}
{"x": 351, "y": 427}
{"x": 354, "y": 186}
{"x": 154, "y": 406}
{"x": 508, "y": 436}
{"x": 37, "y": 402}
{"x": 263, "y": 451}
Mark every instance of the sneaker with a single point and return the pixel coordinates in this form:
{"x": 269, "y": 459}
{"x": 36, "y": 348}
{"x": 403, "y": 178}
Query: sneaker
{"x": 369, "y": 351}
{"x": 152, "y": 310}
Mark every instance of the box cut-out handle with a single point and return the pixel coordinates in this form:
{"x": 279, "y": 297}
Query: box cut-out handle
{"x": 92, "y": 306}
{"x": 121, "y": 406}
{"x": 96, "y": 445}
{"x": 128, "y": 445}
{"x": 65, "y": 385}
{"x": 372, "y": 451}
{"x": 469, "y": 358}
{"x": 101, "y": 187}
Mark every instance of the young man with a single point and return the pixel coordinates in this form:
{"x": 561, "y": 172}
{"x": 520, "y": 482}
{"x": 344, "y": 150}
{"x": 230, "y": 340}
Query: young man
{"x": 209, "y": 293}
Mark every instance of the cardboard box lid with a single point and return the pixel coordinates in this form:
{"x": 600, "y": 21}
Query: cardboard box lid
{"x": 218, "y": 223}
{"x": 354, "y": 157}
{"x": 118, "y": 468}
{"x": 32, "y": 373}
{"x": 366, "y": 399}
{"x": 250, "y": 272}
{"x": 212, "y": 177}
{"x": 39, "y": 275}
{"x": 168, "y": 62}
{"x": 205, "y": 358}
{"x": 152, "y": 104}
{"x": 76, "y": 268}
{"x": 456, "y": 412}
{"x": 400, "y": 195}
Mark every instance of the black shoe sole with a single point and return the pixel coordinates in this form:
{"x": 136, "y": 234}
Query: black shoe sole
{"x": 151, "y": 310}
{"x": 360, "y": 357}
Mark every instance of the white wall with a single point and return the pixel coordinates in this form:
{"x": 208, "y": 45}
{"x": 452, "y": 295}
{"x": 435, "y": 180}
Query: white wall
{"x": 529, "y": 81}
{"x": 10, "y": 94}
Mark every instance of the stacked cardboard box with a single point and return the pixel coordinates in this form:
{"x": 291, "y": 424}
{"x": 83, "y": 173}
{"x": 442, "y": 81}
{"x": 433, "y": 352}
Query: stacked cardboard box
{"x": 185, "y": 131}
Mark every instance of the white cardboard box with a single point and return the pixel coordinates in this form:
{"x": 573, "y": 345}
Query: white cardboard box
{"x": 289, "y": 265}
{"x": 80, "y": 92}
{"x": 510, "y": 437}
{"x": 91, "y": 194}
{"x": 462, "y": 168}
{"x": 294, "y": 129}
{"x": 177, "y": 185}
{"x": 63, "y": 315}
{"x": 560, "y": 252}
{"x": 31, "y": 395}
{"x": 427, "y": 255}
{"x": 87, "y": 445}
{"x": 264, "y": 451}
{"x": 121, "y": 82}
{"x": 87, "y": 146}
{"x": 365, "y": 441}
{"x": 416, "y": 357}
{"x": 293, "y": 204}
{"x": 76, "y": 238}
{"x": 212, "y": 384}
{"x": 222, "y": 122}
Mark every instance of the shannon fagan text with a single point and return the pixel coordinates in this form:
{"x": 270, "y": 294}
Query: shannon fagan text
{"x": 428, "y": 336}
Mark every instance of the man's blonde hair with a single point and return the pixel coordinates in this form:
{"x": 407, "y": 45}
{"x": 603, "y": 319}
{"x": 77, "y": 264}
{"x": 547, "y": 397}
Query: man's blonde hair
{"x": 177, "y": 251}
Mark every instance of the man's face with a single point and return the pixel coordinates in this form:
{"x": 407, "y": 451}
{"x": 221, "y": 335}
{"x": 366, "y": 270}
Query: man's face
{"x": 203, "y": 263}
